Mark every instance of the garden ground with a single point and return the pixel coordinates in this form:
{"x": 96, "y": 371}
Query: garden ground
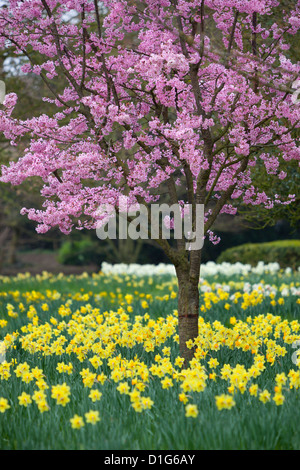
{"x": 92, "y": 360}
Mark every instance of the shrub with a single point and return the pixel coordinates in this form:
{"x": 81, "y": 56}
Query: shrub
{"x": 284, "y": 252}
{"x": 81, "y": 252}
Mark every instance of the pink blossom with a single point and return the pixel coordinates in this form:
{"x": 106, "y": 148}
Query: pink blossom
{"x": 149, "y": 112}
{"x": 10, "y": 101}
{"x": 282, "y": 175}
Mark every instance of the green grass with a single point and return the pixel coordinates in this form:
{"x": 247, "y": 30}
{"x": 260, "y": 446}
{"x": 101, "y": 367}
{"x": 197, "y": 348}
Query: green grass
{"x": 249, "y": 425}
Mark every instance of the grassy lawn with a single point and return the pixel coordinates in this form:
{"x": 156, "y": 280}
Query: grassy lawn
{"x": 92, "y": 362}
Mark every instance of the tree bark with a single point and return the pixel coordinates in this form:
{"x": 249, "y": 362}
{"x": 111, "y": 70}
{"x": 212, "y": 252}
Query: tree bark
{"x": 188, "y": 313}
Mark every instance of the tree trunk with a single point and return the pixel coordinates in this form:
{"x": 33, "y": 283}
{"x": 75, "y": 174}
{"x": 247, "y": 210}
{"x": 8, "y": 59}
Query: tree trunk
{"x": 188, "y": 313}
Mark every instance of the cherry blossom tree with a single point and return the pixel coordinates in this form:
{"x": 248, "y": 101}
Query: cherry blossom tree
{"x": 184, "y": 95}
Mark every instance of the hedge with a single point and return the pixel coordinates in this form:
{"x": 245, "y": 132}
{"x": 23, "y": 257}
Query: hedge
{"x": 284, "y": 252}
{"x": 79, "y": 252}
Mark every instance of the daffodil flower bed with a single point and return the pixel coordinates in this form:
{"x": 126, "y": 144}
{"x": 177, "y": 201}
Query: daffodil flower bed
{"x": 92, "y": 362}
